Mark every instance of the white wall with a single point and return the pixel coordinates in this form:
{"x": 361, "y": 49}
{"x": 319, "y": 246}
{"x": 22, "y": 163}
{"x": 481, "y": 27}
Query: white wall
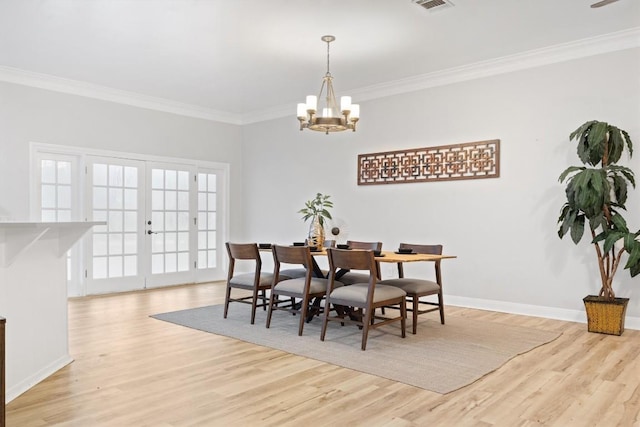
{"x": 502, "y": 230}
{"x": 36, "y": 115}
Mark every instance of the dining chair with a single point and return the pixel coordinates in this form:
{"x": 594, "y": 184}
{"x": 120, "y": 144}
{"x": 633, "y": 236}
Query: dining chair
{"x": 258, "y": 282}
{"x": 418, "y": 288}
{"x": 301, "y": 272}
{"x": 364, "y": 297}
{"x": 348, "y": 277}
{"x": 308, "y": 289}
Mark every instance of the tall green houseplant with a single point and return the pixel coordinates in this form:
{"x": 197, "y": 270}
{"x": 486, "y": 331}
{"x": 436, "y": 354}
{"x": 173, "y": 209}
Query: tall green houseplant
{"x": 596, "y": 196}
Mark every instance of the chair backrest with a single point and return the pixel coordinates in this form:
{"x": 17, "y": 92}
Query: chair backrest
{"x": 374, "y": 246}
{"x": 423, "y": 249}
{"x": 291, "y": 255}
{"x": 243, "y": 251}
{"x": 352, "y": 260}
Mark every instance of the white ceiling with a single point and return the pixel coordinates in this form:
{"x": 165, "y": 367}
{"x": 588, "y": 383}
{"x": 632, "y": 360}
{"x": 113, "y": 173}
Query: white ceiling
{"x": 243, "y": 57}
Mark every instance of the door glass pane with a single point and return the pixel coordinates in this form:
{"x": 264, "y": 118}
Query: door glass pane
{"x": 170, "y": 179}
{"x": 48, "y": 171}
{"x": 64, "y": 197}
{"x": 48, "y": 196}
{"x": 115, "y": 243}
{"x": 183, "y": 221}
{"x": 157, "y": 221}
{"x": 116, "y": 176}
{"x": 170, "y": 200}
{"x": 130, "y": 265}
{"x": 131, "y": 221}
{"x": 115, "y": 266}
{"x": 157, "y": 178}
{"x": 183, "y": 261}
{"x": 100, "y": 175}
{"x": 130, "y": 199}
{"x": 100, "y": 244}
{"x": 130, "y": 243}
{"x": 99, "y": 267}
{"x": 115, "y": 198}
{"x": 183, "y": 180}
{"x": 157, "y": 263}
{"x": 170, "y": 263}
{"x": 130, "y": 177}
{"x": 64, "y": 172}
{"x": 99, "y": 198}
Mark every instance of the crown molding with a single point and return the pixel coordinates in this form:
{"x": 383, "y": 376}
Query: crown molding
{"x": 626, "y": 39}
{"x": 621, "y": 40}
{"x": 75, "y": 87}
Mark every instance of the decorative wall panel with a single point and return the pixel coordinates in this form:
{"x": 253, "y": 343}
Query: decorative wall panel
{"x": 472, "y": 160}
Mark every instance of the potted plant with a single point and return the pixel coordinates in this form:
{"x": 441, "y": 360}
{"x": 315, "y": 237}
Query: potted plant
{"x": 316, "y": 209}
{"x": 596, "y": 195}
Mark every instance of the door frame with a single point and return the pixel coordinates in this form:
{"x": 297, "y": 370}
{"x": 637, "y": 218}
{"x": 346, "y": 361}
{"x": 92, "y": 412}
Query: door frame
{"x": 37, "y": 149}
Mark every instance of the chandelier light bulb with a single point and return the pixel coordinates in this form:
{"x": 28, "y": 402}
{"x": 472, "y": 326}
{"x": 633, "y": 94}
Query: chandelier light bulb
{"x": 345, "y": 104}
{"x": 312, "y": 103}
{"x": 355, "y": 111}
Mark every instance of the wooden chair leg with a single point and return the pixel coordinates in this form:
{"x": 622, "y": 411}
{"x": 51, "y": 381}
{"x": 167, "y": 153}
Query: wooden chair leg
{"x": 441, "y": 304}
{"x": 226, "y": 301}
{"x": 273, "y": 300}
{"x": 403, "y": 313}
{"x": 365, "y": 328}
{"x": 303, "y": 313}
{"x": 254, "y": 303}
{"x": 416, "y": 302}
{"x": 325, "y": 320}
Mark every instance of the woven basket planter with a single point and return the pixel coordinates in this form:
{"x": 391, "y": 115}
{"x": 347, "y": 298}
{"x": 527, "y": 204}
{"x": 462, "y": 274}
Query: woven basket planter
{"x": 605, "y": 316}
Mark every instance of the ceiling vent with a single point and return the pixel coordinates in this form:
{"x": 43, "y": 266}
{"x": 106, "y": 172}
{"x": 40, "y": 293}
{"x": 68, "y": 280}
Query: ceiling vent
{"x": 433, "y": 5}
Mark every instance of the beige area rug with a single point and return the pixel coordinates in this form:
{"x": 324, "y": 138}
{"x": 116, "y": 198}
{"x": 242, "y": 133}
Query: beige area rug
{"x": 439, "y": 358}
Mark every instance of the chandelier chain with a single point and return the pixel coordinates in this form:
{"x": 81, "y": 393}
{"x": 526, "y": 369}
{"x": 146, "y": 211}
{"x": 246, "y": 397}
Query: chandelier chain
{"x": 328, "y": 44}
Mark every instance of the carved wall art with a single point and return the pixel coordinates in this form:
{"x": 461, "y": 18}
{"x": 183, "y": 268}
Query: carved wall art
{"x": 472, "y": 160}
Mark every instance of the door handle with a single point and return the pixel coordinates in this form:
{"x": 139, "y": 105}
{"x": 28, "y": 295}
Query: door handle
{"x": 151, "y": 232}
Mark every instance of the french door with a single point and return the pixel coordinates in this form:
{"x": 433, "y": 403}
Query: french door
{"x": 170, "y": 221}
{"x": 161, "y": 226}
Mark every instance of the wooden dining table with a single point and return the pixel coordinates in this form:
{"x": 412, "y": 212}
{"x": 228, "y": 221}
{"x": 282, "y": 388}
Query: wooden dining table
{"x": 385, "y": 256}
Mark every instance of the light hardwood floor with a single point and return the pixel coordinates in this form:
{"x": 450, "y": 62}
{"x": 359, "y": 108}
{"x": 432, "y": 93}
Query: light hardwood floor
{"x": 132, "y": 370}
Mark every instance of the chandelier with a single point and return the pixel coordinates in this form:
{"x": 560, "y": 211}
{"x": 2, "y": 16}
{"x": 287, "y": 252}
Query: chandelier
{"x": 328, "y": 118}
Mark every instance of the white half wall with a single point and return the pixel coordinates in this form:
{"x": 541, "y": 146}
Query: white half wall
{"x": 502, "y": 230}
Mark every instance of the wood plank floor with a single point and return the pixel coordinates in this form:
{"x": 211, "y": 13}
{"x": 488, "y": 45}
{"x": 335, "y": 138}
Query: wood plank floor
{"x": 132, "y": 370}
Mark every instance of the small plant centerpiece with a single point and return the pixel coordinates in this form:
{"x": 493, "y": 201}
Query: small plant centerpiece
{"x": 316, "y": 209}
{"x": 596, "y": 196}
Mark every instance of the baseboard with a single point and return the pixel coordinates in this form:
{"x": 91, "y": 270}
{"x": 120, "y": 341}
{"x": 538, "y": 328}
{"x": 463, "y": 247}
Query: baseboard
{"x": 530, "y": 310}
{"x": 34, "y": 379}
